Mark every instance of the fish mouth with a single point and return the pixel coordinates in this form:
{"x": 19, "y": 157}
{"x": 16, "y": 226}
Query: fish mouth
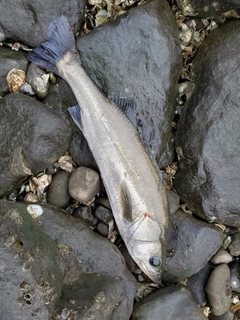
{"x": 155, "y": 277}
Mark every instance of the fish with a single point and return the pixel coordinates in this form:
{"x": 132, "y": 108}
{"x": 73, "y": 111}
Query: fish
{"x": 133, "y": 182}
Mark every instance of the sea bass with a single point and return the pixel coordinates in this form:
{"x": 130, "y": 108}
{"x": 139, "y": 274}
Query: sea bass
{"x": 133, "y": 183}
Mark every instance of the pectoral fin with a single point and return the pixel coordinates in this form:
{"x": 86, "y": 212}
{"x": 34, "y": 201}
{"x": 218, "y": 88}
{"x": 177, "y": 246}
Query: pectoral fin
{"x": 75, "y": 113}
{"x": 126, "y": 202}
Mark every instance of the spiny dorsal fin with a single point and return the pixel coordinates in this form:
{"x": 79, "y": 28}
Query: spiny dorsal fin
{"x": 122, "y": 103}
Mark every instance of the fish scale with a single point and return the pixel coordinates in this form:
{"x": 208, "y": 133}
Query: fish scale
{"x": 133, "y": 183}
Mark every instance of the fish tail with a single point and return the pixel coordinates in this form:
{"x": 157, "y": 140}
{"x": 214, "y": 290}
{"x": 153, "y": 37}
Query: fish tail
{"x": 60, "y": 41}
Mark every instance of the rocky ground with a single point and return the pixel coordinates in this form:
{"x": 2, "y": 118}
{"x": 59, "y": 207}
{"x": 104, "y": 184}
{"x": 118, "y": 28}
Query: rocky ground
{"x": 61, "y": 254}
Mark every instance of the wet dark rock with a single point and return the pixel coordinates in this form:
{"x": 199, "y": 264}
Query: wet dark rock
{"x": 30, "y": 20}
{"x": 125, "y": 59}
{"x": 10, "y": 59}
{"x": 222, "y": 256}
{"x": 190, "y": 245}
{"x": 80, "y": 150}
{"x": 23, "y": 117}
{"x": 103, "y": 201}
{"x": 130, "y": 263}
{"x": 218, "y": 290}
{"x": 235, "y": 275}
{"x": 207, "y": 8}
{"x": 207, "y": 141}
{"x": 83, "y": 184}
{"x": 47, "y": 277}
{"x": 58, "y": 194}
{"x": 234, "y": 247}
{"x": 38, "y": 79}
{"x": 173, "y": 302}
{"x": 103, "y": 214}
{"x": 31, "y": 279}
{"x": 102, "y": 228}
{"x": 86, "y": 215}
{"x": 96, "y": 295}
{"x": 97, "y": 254}
{"x": 196, "y": 284}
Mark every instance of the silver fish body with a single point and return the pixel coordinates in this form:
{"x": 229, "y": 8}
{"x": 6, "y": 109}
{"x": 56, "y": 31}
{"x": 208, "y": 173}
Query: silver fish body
{"x": 132, "y": 182}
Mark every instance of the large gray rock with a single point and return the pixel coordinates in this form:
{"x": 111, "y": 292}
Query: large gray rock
{"x": 32, "y": 137}
{"x": 174, "y": 302}
{"x": 207, "y": 138}
{"x": 190, "y": 245}
{"x": 27, "y": 21}
{"x": 207, "y": 8}
{"x": 138, "y": 56}
{"x": 70, "y": 272}
{"x": 31, "y": 277}
{"x": 97, "y": 255}
{"x": 10, "y": 59}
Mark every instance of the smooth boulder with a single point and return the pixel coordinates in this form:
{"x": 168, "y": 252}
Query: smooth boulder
{"x": 32, "y": 137}
{"x": 207, "y": 137}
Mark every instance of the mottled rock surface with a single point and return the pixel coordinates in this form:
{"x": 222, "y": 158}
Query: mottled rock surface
{"x": 174, "y": 302}
{"x": 54, "y": 265}
{"x": 22, "y": 117}
{"x": 207, "y": 8}
{"x": 31, "y": 277}
{"x": 97, "y": 255}
{"x": 30, "y": 20}
{"x": 207, "y": 138}
{"x": 138, "y": 56}
{"x": 190, "y": 245}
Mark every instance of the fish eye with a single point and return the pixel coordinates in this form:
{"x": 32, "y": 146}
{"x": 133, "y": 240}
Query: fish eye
{"x": 155, "y": 261}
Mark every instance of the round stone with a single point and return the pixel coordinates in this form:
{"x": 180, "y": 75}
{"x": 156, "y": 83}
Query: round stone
{"x": 84, "y": 184}
{"x": 58, "y": 194}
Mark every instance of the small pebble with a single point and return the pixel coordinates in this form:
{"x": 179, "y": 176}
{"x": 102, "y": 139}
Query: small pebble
{"x": 102, "y": 228}
{"x": 38, "y": 79}
{"x": 103, "y": 214}
{"x": 84, "y": 184}
{"x": 234, "y": 247}
{"x": 222, "y": 256}
{"x": 58, "y": 194}
{"x": 85, "y": 214}
{"x": 27, "y": 89}
{"x": 218, "y": 290}
{"x": 104, "y": 202}
{"x": 196, "y": 284}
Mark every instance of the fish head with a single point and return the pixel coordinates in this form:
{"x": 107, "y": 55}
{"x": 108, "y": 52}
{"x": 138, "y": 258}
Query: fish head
{"x": 146, "y": 244}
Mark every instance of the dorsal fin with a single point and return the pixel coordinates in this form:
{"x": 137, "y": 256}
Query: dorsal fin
{"x": 122, "y": 103}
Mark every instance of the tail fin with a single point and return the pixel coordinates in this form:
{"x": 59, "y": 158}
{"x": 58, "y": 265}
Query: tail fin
{"x": 60, "y": 41}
